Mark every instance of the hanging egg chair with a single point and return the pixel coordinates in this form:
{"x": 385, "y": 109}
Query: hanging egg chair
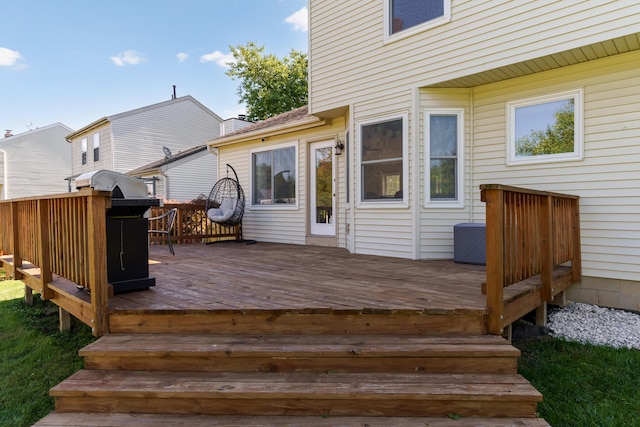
{"x": 225, "y": 205}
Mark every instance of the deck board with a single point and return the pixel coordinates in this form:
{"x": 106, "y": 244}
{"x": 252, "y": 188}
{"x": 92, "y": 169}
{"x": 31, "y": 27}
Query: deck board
{"x": 268, "y": 276}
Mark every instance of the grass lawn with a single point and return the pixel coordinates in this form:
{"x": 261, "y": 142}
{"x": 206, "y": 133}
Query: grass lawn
{"x": 583, "y": 385}
{"x": 34, "y": 355}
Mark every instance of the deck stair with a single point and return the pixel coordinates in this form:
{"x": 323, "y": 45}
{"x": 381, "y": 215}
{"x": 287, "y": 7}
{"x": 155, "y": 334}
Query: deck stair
{"x": 296, "y": 380}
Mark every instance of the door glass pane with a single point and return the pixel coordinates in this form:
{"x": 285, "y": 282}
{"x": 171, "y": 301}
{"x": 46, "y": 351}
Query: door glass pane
{"x": 324, "y": 185}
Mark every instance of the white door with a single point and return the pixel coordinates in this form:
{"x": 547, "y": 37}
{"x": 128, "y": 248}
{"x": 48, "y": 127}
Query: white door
{"x": 322, "y": 197}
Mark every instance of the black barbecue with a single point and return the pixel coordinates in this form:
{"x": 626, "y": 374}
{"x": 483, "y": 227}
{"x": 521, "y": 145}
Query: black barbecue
{"x": 127, "y": 228}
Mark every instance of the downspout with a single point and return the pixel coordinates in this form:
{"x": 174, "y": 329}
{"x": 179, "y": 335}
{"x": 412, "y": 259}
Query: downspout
{"x": 162, "y": 172}
{"x": 5, "y": 175}
{"x": 471, "y": 151}
{"x": 415, "y": 164}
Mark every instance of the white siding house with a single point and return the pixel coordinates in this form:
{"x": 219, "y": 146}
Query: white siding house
{"x": 35, "y": 163}
{"x": 185, "y": 176}
{"x": 130, "y": 140}
{"x": 433, "y": 102}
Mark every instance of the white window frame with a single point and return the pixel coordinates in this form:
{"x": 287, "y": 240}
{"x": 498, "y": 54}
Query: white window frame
{"x": 274, "y": 206}
{"x": 96, "y": 146}
{"x": 382, "y": 203}
{"x": 449, "y": 203}
{"x": 578, "y": 126}
{"x": 83, "y": 151}
{"x": 390, "y": 37}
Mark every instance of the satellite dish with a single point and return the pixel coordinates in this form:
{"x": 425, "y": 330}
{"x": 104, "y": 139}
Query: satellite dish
{"x": 167, "y": 152}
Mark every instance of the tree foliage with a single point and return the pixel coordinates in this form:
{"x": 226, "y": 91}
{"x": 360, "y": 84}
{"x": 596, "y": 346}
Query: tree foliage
{"x": 268, "y": 85}
{"x": 556, "y": 138}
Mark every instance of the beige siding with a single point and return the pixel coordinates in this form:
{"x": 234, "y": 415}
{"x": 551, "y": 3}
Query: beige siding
{"x": 436, "y": 223}
{"x": 106, "y": 152}
{"x": 350, "y": 59}
{"x": 193, "y": 178}
{"x": 607, "y": 180}
{"x": 280, "y": 225}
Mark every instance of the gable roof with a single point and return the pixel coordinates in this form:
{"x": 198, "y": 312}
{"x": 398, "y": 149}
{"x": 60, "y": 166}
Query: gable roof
{"x": 153, "y": 166}
{"x": 111, "y": 118}
{"x": 18, "y": 135}
{"x": 290, "y": 121}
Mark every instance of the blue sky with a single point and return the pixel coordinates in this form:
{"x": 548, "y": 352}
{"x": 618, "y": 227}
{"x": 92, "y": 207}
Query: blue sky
{"x": 75, "y": 61}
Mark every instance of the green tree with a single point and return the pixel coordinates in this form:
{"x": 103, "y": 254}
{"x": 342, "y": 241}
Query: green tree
{"x": 556, "y": 138}
{"x": 268, "y": 85}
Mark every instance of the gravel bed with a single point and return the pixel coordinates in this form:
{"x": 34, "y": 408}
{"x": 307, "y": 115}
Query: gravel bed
{"x": 592, "y": 324}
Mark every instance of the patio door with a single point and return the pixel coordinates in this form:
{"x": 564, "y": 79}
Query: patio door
{"x": 322, "y": 195}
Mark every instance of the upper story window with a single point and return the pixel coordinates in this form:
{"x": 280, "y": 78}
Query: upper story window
{"x": 273, "y": 176}
{"x": 96, "y": 146}
{"x": 84, "y": 151}
{"x": 545, "y": 128}
{"x": 383, "y": 144}
{"x": 444, "y": 148}
{"x": 405, "y": 17}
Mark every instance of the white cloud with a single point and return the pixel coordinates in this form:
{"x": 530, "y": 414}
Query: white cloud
{"x": 182, "y": 56}
{"x": 299, "y": 20}
{"x": 8, "y": 57}
{"x": 129, "y": 57}
{"x": 222, "y": 59}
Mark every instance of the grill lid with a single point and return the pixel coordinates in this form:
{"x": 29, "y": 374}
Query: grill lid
{"x": 122, "y": 186}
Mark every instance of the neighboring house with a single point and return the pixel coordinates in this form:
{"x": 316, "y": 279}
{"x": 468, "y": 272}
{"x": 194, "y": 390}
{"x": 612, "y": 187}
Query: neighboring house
{"x": 188, "y": 174}
{"x": 130, "y": 140}
{"x": 35, "y": 163}
{"x": 432, "y": 102}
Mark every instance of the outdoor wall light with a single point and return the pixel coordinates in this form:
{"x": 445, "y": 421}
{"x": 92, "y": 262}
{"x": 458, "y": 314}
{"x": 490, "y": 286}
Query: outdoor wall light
{"x": 339, "y": 147}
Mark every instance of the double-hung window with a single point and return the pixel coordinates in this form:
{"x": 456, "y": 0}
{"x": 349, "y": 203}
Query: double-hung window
{"x": 84, "y": 150}
{"x": 545, "y": 129}
{"x": 444, "y": 149}
{"x": 273, "y": 176}
{"x": 96, "y": 146}
{"x": 383, "y": 146}
{"x": 405, "y": 17}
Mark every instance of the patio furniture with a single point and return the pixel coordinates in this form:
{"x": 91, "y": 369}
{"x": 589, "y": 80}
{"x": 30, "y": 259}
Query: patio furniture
{"x": 225, "y": 205}
{"x": 168, "y": 220}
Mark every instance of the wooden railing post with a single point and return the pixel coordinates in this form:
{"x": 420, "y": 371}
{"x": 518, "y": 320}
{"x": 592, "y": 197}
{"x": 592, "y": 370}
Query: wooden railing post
{"x": 494, "y": 199}
{"x": 97, "y": 248}
{"x": 546, "y": 246}
{"x": 15, "y": 241}
{"x": 46, "y": 275}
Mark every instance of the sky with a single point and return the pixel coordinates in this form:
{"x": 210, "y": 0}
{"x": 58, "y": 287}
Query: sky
{"x": 76, "y": 61}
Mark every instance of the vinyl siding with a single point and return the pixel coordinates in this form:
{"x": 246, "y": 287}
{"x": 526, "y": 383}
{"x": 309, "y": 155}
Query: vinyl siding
{"x": 349, "y": 56}
{"x": 139, "y": 137}
{"x": 36, "y": 163}
{"x": 284, "y": 225}
{"x": 436, "y": 223}
{"x": 607, "y": 180}
{"x": 106, "y": 152}
{"x": 192, "y": 178}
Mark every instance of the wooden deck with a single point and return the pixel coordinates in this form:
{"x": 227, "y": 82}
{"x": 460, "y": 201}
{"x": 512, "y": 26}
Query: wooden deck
{"x": 268, "y": 276}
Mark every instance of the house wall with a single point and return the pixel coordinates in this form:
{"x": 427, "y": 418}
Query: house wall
{"x": 284, "y": 225}
{"x": 350, "y": 61}
{"x": 191, "y": 179}
{"x": 36, "y": 162}
{"x": 607, "y": 179}
{"x": 106, "y": 151}
{"x": 139, "y": 137}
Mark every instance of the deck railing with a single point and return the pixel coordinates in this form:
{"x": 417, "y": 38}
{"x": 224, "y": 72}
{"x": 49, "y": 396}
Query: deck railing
{"x": 62, "y": 235}
{"x": 191, "y": 226}
{"x": 529, "y": 233}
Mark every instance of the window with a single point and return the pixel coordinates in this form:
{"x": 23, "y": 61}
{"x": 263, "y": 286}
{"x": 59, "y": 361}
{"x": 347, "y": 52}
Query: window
{"x": 274, "y": 177}
{"x": 96, "y": 146}
{"x": 382, "y": 160}
{"x": 545, "y": 128}
{"x": 84, "y": 151}
{"x": 444, "y": 148}
{"x": 405, "y": 17}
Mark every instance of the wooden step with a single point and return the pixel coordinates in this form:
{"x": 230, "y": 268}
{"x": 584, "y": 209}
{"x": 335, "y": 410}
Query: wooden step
{"x": 282, "y": 353}
{"x": 84, "y": 419}
{"x": 300, "y": 322}
{"x": 298, "y": 393}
